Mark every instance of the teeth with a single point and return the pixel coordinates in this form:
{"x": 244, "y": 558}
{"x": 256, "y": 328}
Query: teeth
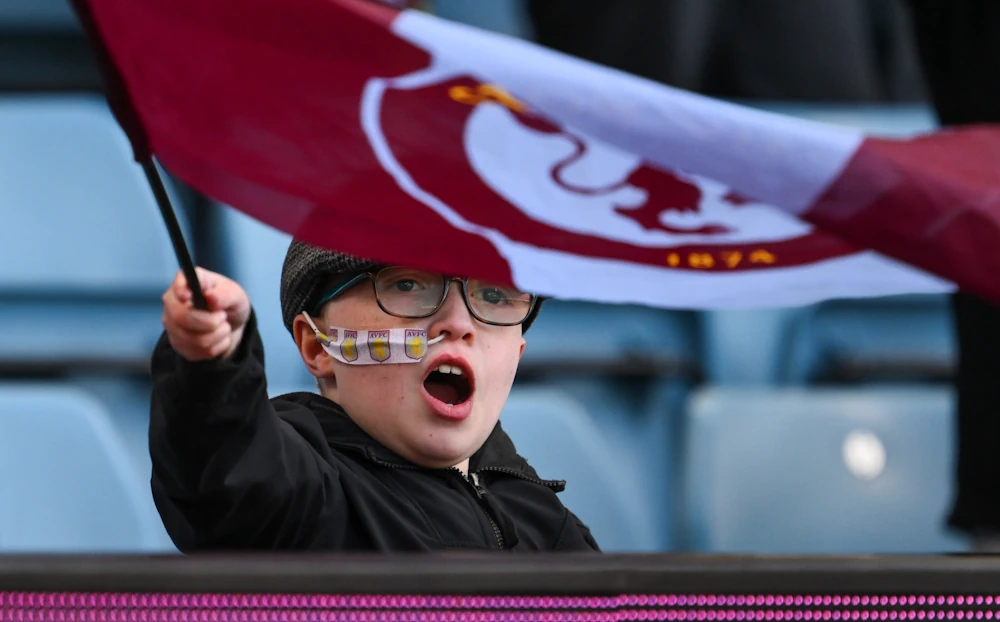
{"x": 444, "y": 369}
{"x": 456, "y": 371}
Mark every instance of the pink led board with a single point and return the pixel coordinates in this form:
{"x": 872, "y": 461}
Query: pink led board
{"x": 496, "y": 587}
{"x": 152, "y": 607}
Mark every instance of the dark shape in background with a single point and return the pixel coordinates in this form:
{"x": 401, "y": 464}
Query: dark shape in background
{"x": 959, "y": 44}
{"x": 821, "y": 50}
{"x": 834, "y": 51}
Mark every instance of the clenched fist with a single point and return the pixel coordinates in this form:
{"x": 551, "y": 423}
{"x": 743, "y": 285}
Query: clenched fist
{"x": 200, "y": 335}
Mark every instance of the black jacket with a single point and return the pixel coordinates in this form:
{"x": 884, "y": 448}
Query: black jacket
{"x": 235, "y": 470}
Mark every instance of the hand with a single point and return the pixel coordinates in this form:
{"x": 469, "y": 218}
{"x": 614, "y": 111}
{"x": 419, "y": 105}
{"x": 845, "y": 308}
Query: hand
{"x": 200, "y": 335}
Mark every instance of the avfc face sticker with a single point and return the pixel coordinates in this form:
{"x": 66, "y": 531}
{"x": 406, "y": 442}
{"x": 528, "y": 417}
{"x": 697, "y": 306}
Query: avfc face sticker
{"x": 378, "y": 345}
{"x": 416, "y": 344}
{"x": 349, "y": 349}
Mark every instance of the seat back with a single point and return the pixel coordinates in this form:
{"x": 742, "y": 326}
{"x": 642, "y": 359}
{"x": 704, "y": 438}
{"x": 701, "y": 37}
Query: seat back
{"x": 37, "y": 15}
{"x": 557, "y": 436}
{"x": 66, "y": 482}
{"x": 255, "y": 253}
{"x": 617, "y": 340}
{"x": 84, "y": 255}
{"x": 509, "y": 17}
{"x": 894, "y": 338}
{"x": 831, "y": 471}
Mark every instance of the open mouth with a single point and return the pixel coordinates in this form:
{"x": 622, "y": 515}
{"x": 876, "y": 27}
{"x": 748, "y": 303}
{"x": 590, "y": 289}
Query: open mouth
{"x": 449, "y": 384}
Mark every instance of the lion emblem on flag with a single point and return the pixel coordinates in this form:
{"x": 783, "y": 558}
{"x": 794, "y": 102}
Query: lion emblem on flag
{"x": 546, "y": 186}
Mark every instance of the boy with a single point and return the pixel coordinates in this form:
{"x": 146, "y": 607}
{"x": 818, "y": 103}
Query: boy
{"x": 400, "y": 451}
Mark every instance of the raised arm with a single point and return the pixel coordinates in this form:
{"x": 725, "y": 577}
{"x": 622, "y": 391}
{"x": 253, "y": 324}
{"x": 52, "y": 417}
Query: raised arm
{"x": 229, "y": 470}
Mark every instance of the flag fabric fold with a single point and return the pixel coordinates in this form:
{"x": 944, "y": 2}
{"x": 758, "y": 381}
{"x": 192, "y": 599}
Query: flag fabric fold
{"x": 411, "y": 140}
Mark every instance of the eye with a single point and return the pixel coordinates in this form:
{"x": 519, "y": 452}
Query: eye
{"x": 494, "y": 296}
{"x": 404, "y": 285}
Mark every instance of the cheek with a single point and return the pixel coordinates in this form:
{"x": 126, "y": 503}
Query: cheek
{"x": 500, "y": 366}
{"x": 373, "y": 383}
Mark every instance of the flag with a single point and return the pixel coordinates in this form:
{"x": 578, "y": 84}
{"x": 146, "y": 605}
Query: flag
{"x": 411, "y": 140}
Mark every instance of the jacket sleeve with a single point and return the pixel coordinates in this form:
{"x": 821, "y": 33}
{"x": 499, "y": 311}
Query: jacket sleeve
{"x": 584, "y": 532}
{"x": 229, "y": 470}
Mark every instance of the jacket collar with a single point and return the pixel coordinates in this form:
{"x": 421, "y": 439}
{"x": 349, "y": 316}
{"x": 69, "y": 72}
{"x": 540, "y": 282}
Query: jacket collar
{"x": 497, "y": 453}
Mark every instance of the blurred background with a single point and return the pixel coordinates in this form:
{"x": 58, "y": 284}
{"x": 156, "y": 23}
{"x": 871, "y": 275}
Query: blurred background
{"x": 821, "y": 429}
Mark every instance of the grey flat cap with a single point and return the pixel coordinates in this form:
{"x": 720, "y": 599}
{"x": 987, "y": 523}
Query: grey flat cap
{"x": 307, "y": 269}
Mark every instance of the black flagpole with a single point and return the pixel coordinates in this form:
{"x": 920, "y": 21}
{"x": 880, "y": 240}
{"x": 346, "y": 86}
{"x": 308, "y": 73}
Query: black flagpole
{"x": 174, "y": 229}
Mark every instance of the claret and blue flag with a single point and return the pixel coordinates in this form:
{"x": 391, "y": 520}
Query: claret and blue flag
{"x": 398, "y": 136}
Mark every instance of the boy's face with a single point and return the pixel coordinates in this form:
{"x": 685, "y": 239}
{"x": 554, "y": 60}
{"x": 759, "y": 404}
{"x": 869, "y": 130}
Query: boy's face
{"x": 405, "y": 406}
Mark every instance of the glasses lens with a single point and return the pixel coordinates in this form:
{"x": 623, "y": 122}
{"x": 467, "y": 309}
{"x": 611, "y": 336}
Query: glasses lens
{"x": 497, "y": 303}
{"x": 409, "y": 293}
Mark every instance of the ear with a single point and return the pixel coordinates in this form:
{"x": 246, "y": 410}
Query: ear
{"x": 318, "y": 362}
{"x": 520, "y": 353}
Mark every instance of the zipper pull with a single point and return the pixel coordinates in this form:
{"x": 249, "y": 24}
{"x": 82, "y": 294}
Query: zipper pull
{"x": 474, "y": 480}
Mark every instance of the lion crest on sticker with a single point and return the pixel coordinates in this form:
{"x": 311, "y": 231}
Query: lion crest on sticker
{"x": 378, "y": 345}
{"x": 416, "y": 344}
{"x": 349, "y": 349}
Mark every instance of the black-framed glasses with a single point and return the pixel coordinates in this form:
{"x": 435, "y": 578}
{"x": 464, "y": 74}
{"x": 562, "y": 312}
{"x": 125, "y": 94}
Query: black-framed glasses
{"x": 414, "y": 294}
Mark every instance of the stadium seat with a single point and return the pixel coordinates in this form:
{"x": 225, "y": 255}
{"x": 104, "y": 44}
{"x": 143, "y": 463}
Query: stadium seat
{"x": 745, "y": 347}
{"x": 897, "y": 338}
{"x": 504, "y": 16}
{"x": 84, "y": 255}
{"x": 820, "y": 471}
{"x": 615, "y": 340}
{"x": 877, "y": 340}
{"x": 66, "y": 482}
{"x": 631, "y": 367}
{"x": 37, "y": 15}
{"x": 558, "y": 437}
{"x": 254, "y": 256}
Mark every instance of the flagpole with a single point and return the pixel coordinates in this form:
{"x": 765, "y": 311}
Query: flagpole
{"x": 174, "y": 229}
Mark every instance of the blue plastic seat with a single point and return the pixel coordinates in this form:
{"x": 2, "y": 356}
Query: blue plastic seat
{"x": 48, "y": 15}
{"x": 255, "y": 253}
{"x": 84, "y": 255}
{"x": 746, "y": 347}
{"x": 895, "y": 338}
{"x": 66, "y": 482}
{"x": 820, "y": 471}
{"x": 898, "y": 338}
{"x": 509, "y": 17}
{"x": 559, "y": 438}
{"x": 625, "y": 340}
{"x": 631, "y": 367}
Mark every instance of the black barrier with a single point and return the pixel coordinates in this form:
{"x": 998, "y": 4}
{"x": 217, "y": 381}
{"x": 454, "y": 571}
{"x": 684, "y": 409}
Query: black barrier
{"x": 497, "y": 587}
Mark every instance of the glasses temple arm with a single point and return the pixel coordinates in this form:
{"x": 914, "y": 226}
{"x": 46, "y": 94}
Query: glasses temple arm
{"x": 319, "y": 336}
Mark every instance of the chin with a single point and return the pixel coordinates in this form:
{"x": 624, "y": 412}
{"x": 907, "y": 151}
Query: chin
{"x": 447, "y": 450}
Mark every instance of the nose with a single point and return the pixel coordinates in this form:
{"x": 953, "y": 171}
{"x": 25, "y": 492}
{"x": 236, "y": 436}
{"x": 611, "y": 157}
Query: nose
{"x": 453, "y": 318}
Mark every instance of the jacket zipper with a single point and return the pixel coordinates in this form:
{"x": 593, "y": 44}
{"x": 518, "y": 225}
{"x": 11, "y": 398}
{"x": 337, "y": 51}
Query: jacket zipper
{"x": 473, "y": 480}
{"x": 480, "y": 491}
{"x": 548, "y": 483}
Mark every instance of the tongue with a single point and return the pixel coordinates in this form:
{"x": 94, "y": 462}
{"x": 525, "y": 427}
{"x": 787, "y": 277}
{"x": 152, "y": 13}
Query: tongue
{"x": 442, "y": 390}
